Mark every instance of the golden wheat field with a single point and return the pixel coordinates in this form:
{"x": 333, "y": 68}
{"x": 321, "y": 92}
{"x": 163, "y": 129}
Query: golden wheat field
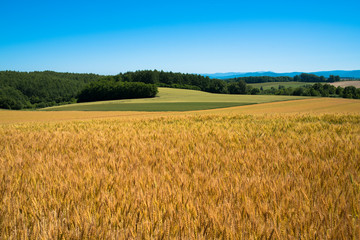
{"x": 314, "y": 105}
{"x": 189, "y": 176}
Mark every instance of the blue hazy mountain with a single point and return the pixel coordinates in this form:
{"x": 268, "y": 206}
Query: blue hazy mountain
{"x": 341, "y": 73}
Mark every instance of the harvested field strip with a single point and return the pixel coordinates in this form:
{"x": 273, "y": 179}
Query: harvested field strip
{"x": 347, "y": 83}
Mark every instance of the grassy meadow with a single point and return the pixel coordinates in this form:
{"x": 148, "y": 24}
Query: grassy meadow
{"x": 268, "y": 85}
{"x": 171, "y": 99}
{"x": 222, "y": 173}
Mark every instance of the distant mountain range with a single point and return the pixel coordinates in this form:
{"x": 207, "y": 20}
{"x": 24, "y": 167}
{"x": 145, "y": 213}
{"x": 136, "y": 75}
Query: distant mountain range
{"x": 341, "y": 73}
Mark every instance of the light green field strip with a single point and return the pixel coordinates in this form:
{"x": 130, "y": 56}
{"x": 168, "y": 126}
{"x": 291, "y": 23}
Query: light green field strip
{"x": 276, "y": 85}
{"x": 312, "y": 105}
{"x": 170, "y": 99}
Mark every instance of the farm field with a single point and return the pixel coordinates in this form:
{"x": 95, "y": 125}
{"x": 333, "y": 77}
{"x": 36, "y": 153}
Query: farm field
{"x": 282, "y": 170}
{"x": 171, "y": 99}
{"x": 276, "y": 85}
{"x": 346, "y": 84}
{"x": 313, "y": 105}
{"x": 182, "y": 175}
{"x": 137, "y": 120}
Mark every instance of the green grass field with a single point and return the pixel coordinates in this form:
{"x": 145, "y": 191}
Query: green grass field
{"x": 170, "y": 99}
{"x": 276, "y": 85}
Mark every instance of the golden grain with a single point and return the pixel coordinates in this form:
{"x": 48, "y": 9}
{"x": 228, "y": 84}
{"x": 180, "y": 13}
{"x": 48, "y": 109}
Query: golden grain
{"x": 210, "y": 176}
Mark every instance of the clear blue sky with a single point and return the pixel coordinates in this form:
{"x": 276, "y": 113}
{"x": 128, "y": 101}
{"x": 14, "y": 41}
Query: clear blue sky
{"x": 108, "y": 37}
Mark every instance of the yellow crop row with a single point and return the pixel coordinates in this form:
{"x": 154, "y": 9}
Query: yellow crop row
{"x": 294, "y": 176}
{"x": 314, "y": 105}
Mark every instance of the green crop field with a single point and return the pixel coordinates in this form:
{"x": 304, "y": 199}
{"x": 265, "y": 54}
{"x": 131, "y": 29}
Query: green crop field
{"x": 276, "y": 85}
{"x": 170, "y": 99}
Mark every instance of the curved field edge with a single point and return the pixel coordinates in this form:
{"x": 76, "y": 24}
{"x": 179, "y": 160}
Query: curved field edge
{"x": 149, "y": 107}
{"x": 315, "y": 105}
{"x": 170, "y": 99}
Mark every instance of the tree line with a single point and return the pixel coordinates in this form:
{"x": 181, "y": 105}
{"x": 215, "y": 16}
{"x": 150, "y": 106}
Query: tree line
{"x": 304, "y": 77}
{"x": 317, "y": 89}
{"x": 19, "y": 90}
{"x": 173, "y": 80}
{"x": 112, "y": 90}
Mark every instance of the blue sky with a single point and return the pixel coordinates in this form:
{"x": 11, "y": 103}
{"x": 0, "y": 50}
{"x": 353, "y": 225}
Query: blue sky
{"x": 108, "y": 37}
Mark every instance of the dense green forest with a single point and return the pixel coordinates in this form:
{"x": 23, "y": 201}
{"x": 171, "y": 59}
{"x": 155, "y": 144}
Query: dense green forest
{"x": 111, "y": 90}
{"x": 174, "y": 80}
{"x": 22, "y": 90}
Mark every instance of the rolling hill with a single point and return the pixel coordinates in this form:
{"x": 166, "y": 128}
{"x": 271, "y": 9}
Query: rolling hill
{"x": 170, "y": 99}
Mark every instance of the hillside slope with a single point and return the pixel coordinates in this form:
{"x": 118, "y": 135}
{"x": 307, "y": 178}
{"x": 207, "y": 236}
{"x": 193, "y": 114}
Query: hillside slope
{"x": 314, "y": 105}
{"x": 170, "y": 99}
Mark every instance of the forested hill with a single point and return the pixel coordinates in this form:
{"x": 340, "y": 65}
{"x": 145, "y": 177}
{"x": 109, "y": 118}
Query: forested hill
{"x": 304, "y": 77}
{"x": 19, "y": 90}
{"x": 174, "y": 80}
{"x": 40, "y": 89}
